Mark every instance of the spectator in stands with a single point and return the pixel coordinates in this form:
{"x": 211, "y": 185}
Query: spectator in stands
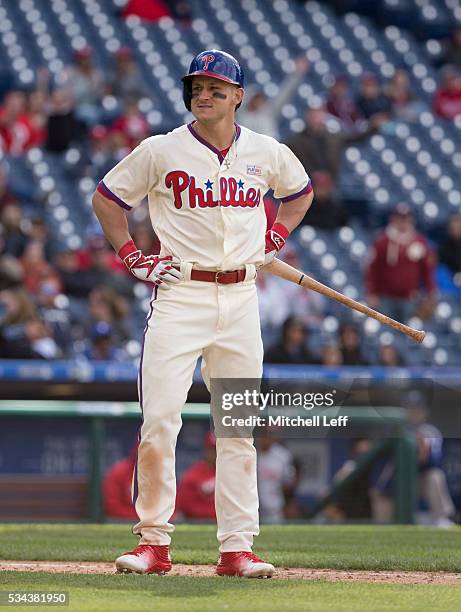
{"x": 37, "y": 112}
{"x": 116, "y": 488}
{"x": 319, "y": 149}
{"x": 278, "y": 300}
{"x": 62, "y": 126}
{"x": 102, "y": 344}
{"x": 53, "y": 309}
{"x": 86, "y": 84}
{"x": 180, "y": 10}
{"x": 327, "y": 211}
{"x": 95, "y": 267}
{"x": 17, "y": 131}
{"x": 107, "y": 306}
{"x": 400, "y": 277}
{"x": 22, "y": 334}
{"x": 150, "y": 10}
{"x": 432, "y": 480}
{"x": 10, "y": 269}
{"x": 38, "y": 231}
{"x": 350, "y": 345}
{"x": 274, "y": 303}
{"x": 41, "y": 341}
{"x": 35, "y": 267}
{"x": 14, "y": 237}
{"x": 341, "y": 105}
{"x": 261, "y": 114}
{"x": 100, "y": 156}
{"x": 452, "y": 55}
{"x": 277, "y": 476}
{"x": 371, "y": 100}
{"x": 292, "y": 347}
{"x": 132, "y": 124}
{"x": 6, "y": 196}
{"x": 353, "y": 502}
{"x": 447, "y": 100}
{"x": 389, "y": 356}
{"x": 331, "y": 355}
{"x": 118, "y": 145}
{"x": 450, "y": 248}
{"x": 196, "y": 489}
{"x": 67, "y": 264}
{"x": 18, "y": 307}
{"x": 404, "y": 104}
{"x": 125, "y": 80}
{"x": 100, "y": 266}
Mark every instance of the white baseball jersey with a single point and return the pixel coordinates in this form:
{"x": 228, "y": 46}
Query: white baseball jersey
{"x": 207, "y": 209}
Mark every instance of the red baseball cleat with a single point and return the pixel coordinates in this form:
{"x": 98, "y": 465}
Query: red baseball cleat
{"x": 145, "y": 559}
{"x": 245, "y": 564}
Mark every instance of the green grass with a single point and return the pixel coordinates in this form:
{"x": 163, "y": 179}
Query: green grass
{"x": 336, "y": 547}
{"x": 131, "y": 593}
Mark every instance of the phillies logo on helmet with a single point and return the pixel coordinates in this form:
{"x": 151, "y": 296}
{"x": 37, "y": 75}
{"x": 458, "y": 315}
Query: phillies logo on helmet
{"x": 207, "y": 59}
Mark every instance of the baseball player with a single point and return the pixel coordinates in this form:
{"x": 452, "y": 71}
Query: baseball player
{"x": 205, "y": 183}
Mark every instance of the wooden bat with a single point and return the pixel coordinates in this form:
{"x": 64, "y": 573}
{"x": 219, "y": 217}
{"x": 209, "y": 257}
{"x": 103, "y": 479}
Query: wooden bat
{"x": 282, "y": 269}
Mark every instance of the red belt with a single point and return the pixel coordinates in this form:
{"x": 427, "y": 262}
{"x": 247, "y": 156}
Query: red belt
{"x": 222, "y": 278}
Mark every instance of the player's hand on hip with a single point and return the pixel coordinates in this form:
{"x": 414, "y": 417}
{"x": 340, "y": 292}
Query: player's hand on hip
{"x": 150, "y": 268}
{"x": 275, "y": 240}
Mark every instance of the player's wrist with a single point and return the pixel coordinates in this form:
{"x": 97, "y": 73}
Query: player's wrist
{"x": 127, "y": 249}
{"x": 276, "y": 237}
{"x": 281, "y": 230}
{"x": 131, "y": 256}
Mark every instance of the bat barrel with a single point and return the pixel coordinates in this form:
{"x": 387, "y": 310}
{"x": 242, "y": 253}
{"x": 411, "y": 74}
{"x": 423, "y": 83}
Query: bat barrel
{"x": 282, "y": 269}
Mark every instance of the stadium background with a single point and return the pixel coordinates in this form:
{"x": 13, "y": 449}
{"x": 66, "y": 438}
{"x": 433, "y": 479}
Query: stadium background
{"x": 66, "y": 337}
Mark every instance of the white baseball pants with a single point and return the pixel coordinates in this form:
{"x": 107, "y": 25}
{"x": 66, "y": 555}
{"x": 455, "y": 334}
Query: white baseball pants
{"x": 221, "y": 323}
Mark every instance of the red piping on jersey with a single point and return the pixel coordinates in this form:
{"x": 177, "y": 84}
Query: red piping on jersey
{"x": 210, "y": 146}
{"x": 298, "y": 194}
{"x": 107, "y": 193}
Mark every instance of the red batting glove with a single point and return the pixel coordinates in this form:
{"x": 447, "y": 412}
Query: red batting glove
{"x": 150, "y": 268}
{"x": 275, "y": 240}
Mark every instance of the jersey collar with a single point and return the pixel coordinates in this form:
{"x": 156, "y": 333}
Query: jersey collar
{"x": 209, "y": 145}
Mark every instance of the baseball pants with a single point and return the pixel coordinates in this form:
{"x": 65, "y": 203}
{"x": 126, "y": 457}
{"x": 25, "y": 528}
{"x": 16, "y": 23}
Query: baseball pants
{"x": 221, "y": 324}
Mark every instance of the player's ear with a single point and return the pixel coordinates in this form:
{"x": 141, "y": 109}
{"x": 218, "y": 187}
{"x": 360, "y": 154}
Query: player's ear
{"x": 238, "y": 96}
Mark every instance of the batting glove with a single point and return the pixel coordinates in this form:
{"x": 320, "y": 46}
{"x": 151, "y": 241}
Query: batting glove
{"x": 150, "y": 268}
{"x": 275, "y": 240}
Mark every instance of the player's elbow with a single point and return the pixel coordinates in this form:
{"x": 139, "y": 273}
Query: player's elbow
{"x": 99, "y": 203}
{"x": 304, "y": 202}
{"x": 96, "y": 199}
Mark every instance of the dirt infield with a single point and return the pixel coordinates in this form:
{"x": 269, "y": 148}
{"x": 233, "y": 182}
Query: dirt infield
{"x": 397, "y": 577}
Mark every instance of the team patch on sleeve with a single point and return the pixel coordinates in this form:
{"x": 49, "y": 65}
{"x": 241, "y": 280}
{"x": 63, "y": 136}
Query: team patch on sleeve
{"x": 107, "y": 193}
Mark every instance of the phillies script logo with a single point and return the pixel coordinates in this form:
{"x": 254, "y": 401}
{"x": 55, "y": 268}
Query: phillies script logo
{"x": 207, "y": 59}
{"x": 232, "y": 193}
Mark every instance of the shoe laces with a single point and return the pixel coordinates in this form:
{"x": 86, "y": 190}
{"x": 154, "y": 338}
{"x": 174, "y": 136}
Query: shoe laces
{"x": 161, "y": 552}
{"x": 244, "y": 554}
{"x": 251, "y": 556}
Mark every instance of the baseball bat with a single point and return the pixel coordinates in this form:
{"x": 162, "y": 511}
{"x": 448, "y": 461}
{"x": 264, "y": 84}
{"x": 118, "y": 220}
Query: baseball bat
{"x": 282, "y": 269}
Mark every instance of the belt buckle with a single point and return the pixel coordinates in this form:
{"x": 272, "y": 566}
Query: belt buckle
{"x": 216, "y": 278}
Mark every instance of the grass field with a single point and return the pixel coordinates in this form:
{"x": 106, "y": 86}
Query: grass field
{"x": 346, "y": 547}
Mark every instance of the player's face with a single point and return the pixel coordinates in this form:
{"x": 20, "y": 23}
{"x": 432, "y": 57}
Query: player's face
{"x": 212, "y": 99}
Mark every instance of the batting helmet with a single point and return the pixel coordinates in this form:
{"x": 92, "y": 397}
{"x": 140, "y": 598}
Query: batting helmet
{"x": 213, "y": 63}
